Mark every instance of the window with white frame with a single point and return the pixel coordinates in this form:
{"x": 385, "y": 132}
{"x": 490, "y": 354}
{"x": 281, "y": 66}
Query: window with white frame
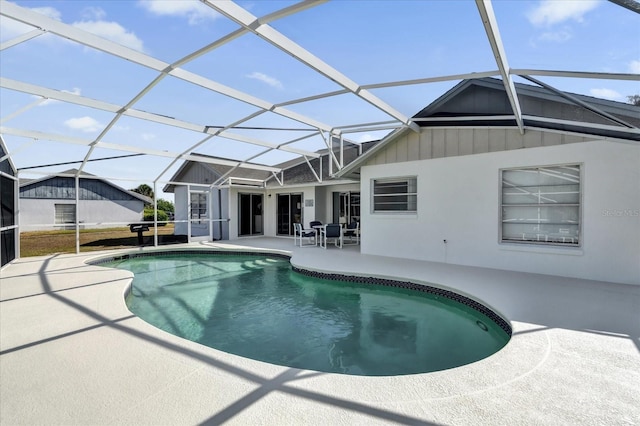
{"x": 65, "y": 214}
{"x": 395, "y": 195}
{"x": 541, "y": 205}
{"x": 198, "y": 207}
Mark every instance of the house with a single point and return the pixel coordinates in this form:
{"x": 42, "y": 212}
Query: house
{"x": 560, "y": 197}
{"x": 50, "y": 202}
{"x": 469, "y": 188}
{"x": 558, "y": 193}
{"x": 242, "y": 202}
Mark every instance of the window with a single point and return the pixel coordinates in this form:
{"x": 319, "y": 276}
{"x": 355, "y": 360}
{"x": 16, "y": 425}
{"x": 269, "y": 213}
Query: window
{"x": 541, "y": 205}
{"x": 198, "y": 207}
{"x": 7, "y": 202}
{"x": 65, "y": 214}
{"x": 395, "y": 195}
{"x": 8, "y": 227}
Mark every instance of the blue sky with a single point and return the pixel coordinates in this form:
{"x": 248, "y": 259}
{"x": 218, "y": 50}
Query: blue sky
{"x": 368, "y": 41}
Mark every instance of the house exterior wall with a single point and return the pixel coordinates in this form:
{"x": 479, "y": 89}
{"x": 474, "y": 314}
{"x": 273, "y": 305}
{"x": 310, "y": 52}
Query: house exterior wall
{"x": 39, "y": 214}
{"x": 458, "y": 201}
{"x": 322, "y": 203}
{"x": 181, "y": 210}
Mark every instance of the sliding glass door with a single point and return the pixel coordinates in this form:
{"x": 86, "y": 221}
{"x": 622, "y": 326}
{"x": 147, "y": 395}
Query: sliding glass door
{"x": 346, "y": 207}
{"x": 249, "y": 214}
{"x": 289, "y": 211}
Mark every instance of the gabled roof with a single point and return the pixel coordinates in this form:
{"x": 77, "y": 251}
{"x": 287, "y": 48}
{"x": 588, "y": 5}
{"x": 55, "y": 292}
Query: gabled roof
{"x": 216, "y": 170}
{"x": 295, "y": 171}
{"x": 483, "y": 102}
{"x": 298, "y": 171}
{"x": 486, "y": 97}
{"x": 73, "y": 172}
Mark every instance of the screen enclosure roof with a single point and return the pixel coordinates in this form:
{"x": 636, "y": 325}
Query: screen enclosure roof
{"x": 130, "y": 90}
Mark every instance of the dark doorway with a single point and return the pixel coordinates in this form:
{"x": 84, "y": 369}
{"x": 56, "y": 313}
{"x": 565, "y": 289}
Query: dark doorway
{"x": 289, "y": 211}
{"x": 249, "y": 214}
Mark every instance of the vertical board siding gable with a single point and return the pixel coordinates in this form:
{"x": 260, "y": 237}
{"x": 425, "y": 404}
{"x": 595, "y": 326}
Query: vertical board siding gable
{"x": 438, "y": 143}
{"x": 63, "y": 188}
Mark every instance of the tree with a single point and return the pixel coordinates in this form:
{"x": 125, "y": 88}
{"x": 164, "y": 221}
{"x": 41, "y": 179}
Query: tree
{"x": 634, "y": 100}
{"x": 164, "y": 205}
{"x": 144, "y": 189}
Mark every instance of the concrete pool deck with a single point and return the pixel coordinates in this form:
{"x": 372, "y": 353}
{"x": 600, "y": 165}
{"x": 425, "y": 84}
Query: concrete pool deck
{"x": 71, "y": 353}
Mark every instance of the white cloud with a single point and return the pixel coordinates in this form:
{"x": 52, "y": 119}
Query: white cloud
{"x": 550, "y": 12}
{"x": 11, "y": 29}
{"x": 93, "y": 22}
{"x": 86, "y": 124}
{"x": 271, "y": 81}
{"x": 366, "y": 138}
{"x": 556, "y": 36}
{"x": 148, "y": 136}
{"x": 634, "y": 67}
{"x": 606, "y": 94}
{"x": 194, "y": 11}
{"x": 75, "y": 91}
{"x": 93, "y": 13}
{"x": 112, "y": 31}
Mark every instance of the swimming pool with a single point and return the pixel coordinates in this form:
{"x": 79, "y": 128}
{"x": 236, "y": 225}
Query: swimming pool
{"x": 259, "y": 307}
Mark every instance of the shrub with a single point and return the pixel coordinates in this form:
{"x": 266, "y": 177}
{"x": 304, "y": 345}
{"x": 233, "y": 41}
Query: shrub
{"x": 148, "y": 216}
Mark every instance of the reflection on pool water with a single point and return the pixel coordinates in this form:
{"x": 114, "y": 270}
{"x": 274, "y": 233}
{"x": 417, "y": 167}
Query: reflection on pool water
{"x": 258, "y": 307}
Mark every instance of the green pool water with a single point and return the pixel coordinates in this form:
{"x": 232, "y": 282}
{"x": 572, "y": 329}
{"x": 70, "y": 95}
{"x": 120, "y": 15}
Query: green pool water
{"x": 258, "y": 307}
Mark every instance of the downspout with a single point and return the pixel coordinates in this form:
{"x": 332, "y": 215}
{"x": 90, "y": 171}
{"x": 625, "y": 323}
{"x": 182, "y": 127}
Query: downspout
{"x": 219, "y": 213}
{"x": 155, "y": 214}
{"x": 77, "y": 180}
{"x": 17, "y": 203}
{"x": 210, "y": 213}
{"x": 188, "y": 213}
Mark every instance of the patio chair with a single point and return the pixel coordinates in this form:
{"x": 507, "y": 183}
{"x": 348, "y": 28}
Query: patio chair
{"x": 352, "y": 231}
{"x": 332, "y": 231}
{"x": 299, "y": 233}
{"x": 314, "y": 223}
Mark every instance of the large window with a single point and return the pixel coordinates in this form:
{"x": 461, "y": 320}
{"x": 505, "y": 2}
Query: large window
{"x": 395, "y": 195}
{"x": 541, "y": 205}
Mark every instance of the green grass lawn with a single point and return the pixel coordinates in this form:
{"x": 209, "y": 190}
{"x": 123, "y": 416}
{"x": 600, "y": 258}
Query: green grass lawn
{"x": 39, "y": 243}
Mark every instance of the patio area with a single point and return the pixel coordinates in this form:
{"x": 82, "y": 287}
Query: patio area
{"x": 71, "y": 353}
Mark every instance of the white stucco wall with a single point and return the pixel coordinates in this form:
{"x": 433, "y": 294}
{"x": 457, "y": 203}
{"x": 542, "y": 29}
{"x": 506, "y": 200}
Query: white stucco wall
{"x": 458, "y": 202}
{"x": 39, "y": 214}
{"x": 181, "y": 210}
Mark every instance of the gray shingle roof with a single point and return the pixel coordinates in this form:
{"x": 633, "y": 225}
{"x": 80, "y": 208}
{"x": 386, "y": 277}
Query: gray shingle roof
{"x": 295, "y": 171}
